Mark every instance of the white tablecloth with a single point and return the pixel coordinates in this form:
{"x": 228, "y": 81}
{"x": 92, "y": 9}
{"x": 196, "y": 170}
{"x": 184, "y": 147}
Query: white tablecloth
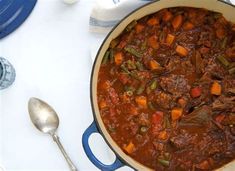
{"x": 51, "y": 55}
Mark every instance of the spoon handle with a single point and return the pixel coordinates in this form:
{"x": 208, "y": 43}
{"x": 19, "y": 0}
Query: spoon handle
{"x": 70, "y": 163}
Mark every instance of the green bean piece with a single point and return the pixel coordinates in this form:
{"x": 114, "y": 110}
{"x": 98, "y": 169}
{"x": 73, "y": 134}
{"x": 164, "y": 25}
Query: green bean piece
{"x": 129, "y": 88}
{"x": 179, "y": 13}
{"x": 129, "y": 93}
{"x": 111, "y": 56}
{"x": 224, "y": 43}
{"x": 217, "y": 15}
{"x": 125, "y": 69}
{"x": 133, "y": 51}
{"x": 111, "y": 128}
{"x": 214, "y": 44}
{"x": 131, "y": 64}
{"x": 163, "y": 162}
{"x": 153, "y": 85}
{"x": 148, "y": 90}
{"x": 140, "y": 89}
{"x": 151, "y": 106}
{"x": 162, "y": 37}
{"x": 106, "y": 57}
{"x": 166, "y": 123}
{"x": 223, "y": 61}
{"x": 231, "y": 71}
{"x": 134, "y": 74}
{"x": 114, "y": 43}
{"x": 143, "y": 45}
{"x": 139, "y": 66}
{"x": 231, "y": 65}
{"x": 131, "y": 25}
{"x": 167, "y": 156}
{"x": 143, "y": 129}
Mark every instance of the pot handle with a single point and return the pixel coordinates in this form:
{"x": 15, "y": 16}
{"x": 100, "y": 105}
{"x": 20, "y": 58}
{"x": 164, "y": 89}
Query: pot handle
{"x": 85, "y": 137}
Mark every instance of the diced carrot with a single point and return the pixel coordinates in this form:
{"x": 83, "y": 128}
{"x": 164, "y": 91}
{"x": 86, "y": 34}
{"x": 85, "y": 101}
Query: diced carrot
{"x": 153, "y": 21}
{"x": 216, "y": 89}
{"x": 157, "y": 117}
{"x": 118, "y": 58}
{"x": 122, "y": 44}
{"x": 125, "y": 98}
{"x": 152, "y": 41}
{"x": 195, "y": 92}
{"x": 220, "y": 33}
{"x": 139, "y": 28}
{"x": 219, "y": 118}
{"x": 141, "y": 101}
{"x": 162, "y": 135}
{"x": 177, "y": 21}
{"x": 170, "y": 39}
{"x": 153, "y": 65}
{"x": 167, "y": 16}
{"x": 129, "y": 148}
{"x": 114, "y": 43}
{"x": 188, "y": 25}
{"x": 105, "y": 85}
{"x": 181, "y": 50}
{"x": 132, "y": 110}
{"x": 103, "y": 104}
{"x": 182, "y": 102}
{"x": 176, "y": 113}
{"x": 204, "y": 165}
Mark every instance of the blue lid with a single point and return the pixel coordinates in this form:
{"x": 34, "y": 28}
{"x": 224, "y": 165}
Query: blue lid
{"x": 13, "y": 13}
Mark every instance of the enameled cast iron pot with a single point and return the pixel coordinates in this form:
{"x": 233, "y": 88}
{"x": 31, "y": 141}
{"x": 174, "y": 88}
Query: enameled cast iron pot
{"x": 97, "y": 126}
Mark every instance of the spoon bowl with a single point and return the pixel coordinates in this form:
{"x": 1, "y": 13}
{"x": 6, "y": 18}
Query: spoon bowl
{"x": 46, "y": 120}
{"x": 43, "y": 116}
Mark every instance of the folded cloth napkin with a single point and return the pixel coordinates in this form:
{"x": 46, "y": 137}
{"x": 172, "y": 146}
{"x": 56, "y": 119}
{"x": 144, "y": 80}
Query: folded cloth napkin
{"x": 107, "y": 13}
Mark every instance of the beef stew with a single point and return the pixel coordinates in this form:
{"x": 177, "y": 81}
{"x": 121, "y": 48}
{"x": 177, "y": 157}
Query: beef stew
{"x": 166, "y": 90}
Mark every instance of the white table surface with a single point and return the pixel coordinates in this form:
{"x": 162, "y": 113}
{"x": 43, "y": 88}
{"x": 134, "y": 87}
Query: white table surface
{"x": 51, "y": 55}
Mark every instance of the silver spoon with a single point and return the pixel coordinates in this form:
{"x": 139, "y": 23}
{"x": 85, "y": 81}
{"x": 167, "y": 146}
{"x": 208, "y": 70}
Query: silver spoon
{"x": 46, "y": 120}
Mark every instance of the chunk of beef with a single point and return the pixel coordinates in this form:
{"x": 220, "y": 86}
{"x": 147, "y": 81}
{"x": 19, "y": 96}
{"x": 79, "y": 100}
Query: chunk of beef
{"x": 204, "y": 165}
{"x": 163, "y": 99}
{"x": 229, "y": 120}
{"x": 174, "y": 84}
{"x": 183, "y": 140}
{"x": 198, "y": 62}
{"x": 215, "y": 69}
{"x": 172, "y": 64}
{"x": 143, "y": 119}
{"x": 224, "y": 103}
{"x": 229, "y": 86}
{"x": 205, "y": 97}
{"x": 158, "y": 145}
{"x": 175, "y": 65}
{"x": 215, "y": 142}
{"x": 199, "y": 117}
